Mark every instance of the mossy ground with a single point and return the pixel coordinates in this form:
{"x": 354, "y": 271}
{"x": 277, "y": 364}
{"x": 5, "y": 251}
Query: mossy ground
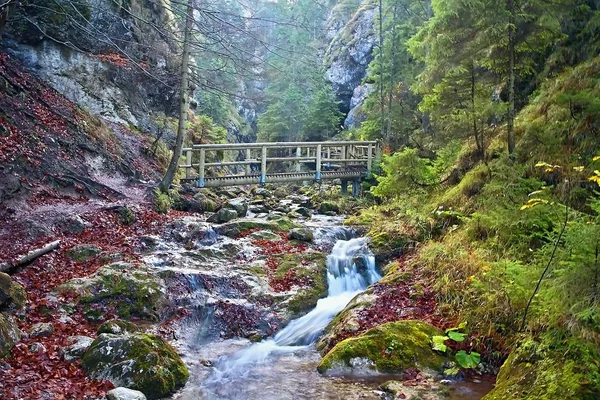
{"x": 392, "y": 348}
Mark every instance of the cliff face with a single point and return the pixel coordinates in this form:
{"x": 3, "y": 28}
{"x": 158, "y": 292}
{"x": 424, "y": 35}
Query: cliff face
{"x": 353, "y": 38}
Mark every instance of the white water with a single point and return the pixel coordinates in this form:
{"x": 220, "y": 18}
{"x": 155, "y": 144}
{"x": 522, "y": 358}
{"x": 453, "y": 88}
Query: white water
{"x": 350, "y": 269}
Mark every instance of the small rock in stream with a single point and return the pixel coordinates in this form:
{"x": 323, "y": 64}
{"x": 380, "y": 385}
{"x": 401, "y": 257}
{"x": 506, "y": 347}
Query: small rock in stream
{"x": 122, "y": 393}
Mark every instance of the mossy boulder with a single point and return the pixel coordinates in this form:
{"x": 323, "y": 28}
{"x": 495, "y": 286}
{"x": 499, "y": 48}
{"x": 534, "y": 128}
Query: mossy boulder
{"x": 83, "y": 252}
{"x": 535, "y": 371}
{"x": 346, "y": 322}
{"x": 310, "y": 266}
{"x": 12, "y": 294}
{"x": 239, "y": 205}
{"x": 389, "y": 348}
{"x": 301, "y": 234}
{"x": 117, "y": 327}
{"x": 202, "y": 203}
{"x": 138, "y": 361}
{"x": 9, "y": 333}
{"x": 264, "y": 235}
{"x": 133, "y": 291}
{"x": 237, "y": 227}
{"x": 223, "y": 215}
{"x": 328, "y": 207}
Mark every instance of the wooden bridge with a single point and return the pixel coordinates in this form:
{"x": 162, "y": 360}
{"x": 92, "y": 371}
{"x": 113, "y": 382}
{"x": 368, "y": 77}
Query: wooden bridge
{"x": 298, "y": 161}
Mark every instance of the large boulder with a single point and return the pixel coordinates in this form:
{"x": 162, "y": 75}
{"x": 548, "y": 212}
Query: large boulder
{"x": 132, "y": 291}
{"x": 240, "y": 205}
{"x": 12, "y": 294}
{"x": 137, "y": 361}
{"x": 223, "y": 215}
{"x": 328, "y": 207}
{"x": 389, "y": 348}
{"x": 301, "y": 234}
{"x": 9, "y": 333}
{"x": 76, "y": 348}
{"x": 537, "y": 371}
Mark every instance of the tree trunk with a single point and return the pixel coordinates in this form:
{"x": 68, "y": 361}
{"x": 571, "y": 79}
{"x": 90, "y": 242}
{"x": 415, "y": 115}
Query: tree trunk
{"x": 184, "y": 106}
{"x": 5, "y": 13}
{"x": 511, "y": 79}
{"x": 392, "y": 74}
{"x": 381, "y": 97}
{"x": 478, "y": 139}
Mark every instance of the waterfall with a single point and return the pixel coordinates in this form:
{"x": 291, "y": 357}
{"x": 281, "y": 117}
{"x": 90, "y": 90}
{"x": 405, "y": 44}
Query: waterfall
{"x": 350, "y": 269}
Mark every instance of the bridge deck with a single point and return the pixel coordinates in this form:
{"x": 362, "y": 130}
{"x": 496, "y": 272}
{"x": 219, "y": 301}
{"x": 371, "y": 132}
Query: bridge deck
{"x": 310, "y": 161}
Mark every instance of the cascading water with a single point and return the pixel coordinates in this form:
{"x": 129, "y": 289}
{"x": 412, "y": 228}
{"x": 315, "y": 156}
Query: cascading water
{"x": 350, "y": 269}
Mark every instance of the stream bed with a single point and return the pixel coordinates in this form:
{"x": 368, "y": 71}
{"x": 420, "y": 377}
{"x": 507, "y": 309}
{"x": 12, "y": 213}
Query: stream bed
{"x": 219, "y": 273}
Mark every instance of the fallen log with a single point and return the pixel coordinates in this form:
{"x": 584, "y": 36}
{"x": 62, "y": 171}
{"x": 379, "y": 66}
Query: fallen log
{"x": 29, "y": 257}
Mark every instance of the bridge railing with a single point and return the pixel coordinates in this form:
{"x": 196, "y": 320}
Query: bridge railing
{"x": 339, "y": 156}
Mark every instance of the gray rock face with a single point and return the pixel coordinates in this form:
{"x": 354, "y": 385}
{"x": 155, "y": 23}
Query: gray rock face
{"x": 355, "y": 116}
{"x": 350, "y": 52}
{"x": 77, "y": 349}
{"x": 122, "y": 393}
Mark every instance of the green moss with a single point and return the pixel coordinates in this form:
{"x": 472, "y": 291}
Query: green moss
{"x": 12, "y": 294}
{"x": 141, "y": 362}
{"x": 9, "y": 334}
{"x": 392, "y": 347}
{"x": 537, "y": 371}
{"x": 117, "y": 326}
{"x": 83, "y": 252}
{"x": 133, "y": 291}
{"x": 237, "y": 227}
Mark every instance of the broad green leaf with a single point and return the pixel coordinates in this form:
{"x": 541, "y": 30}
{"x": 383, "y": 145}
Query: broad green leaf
{"x": 438, "y": 343}
{"x": 468, "y": 360}
{"x": 457, "y": 336}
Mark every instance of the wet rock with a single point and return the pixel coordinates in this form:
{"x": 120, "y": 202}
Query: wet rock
{"x": 71, "y": 224}
{"x": 138, "y": 361}
{"x": 223, "y": 215}
{"x": 12, "y": 294}
{"x": 149, "y": 242}
{"x": 305, "y": 212}
{"x": 264, "y": 193}
{"x": 37, "y": 347}
{"x": 283, "y": 208}
{"x": 83, "y": 251}
{"x": 202, "y": 203}
{"x": 294, "y": 215}
{"x": 9, "y": 333}
{"x": 302, "y": 234}
{"x": 117, "y": 327}
{"x": 122, "y": 393}
{"x": 240, "y": 205}
{"x": 258, "y": 209}
{"x": 133, "y": 291}
{"x": 280, "y": 192}
{"x": 390, "y": 348}
{"x": 41, "y": 329}
{"x": 76, "y": 349}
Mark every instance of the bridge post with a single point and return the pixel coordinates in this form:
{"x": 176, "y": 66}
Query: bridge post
{"x": 263, "y": 166}
{"x": 343, "y": 155}
{"x": 188, "y": 164}
{"x": 318, "y": 173}
{"x": 201, "y": 167}
{"x": 355, "y": 188}
{"x": 298, "y": 155}
{"x": 344, "y": 186}
{"x": 247, "y": 167}
{"x": 369, "y": 157}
